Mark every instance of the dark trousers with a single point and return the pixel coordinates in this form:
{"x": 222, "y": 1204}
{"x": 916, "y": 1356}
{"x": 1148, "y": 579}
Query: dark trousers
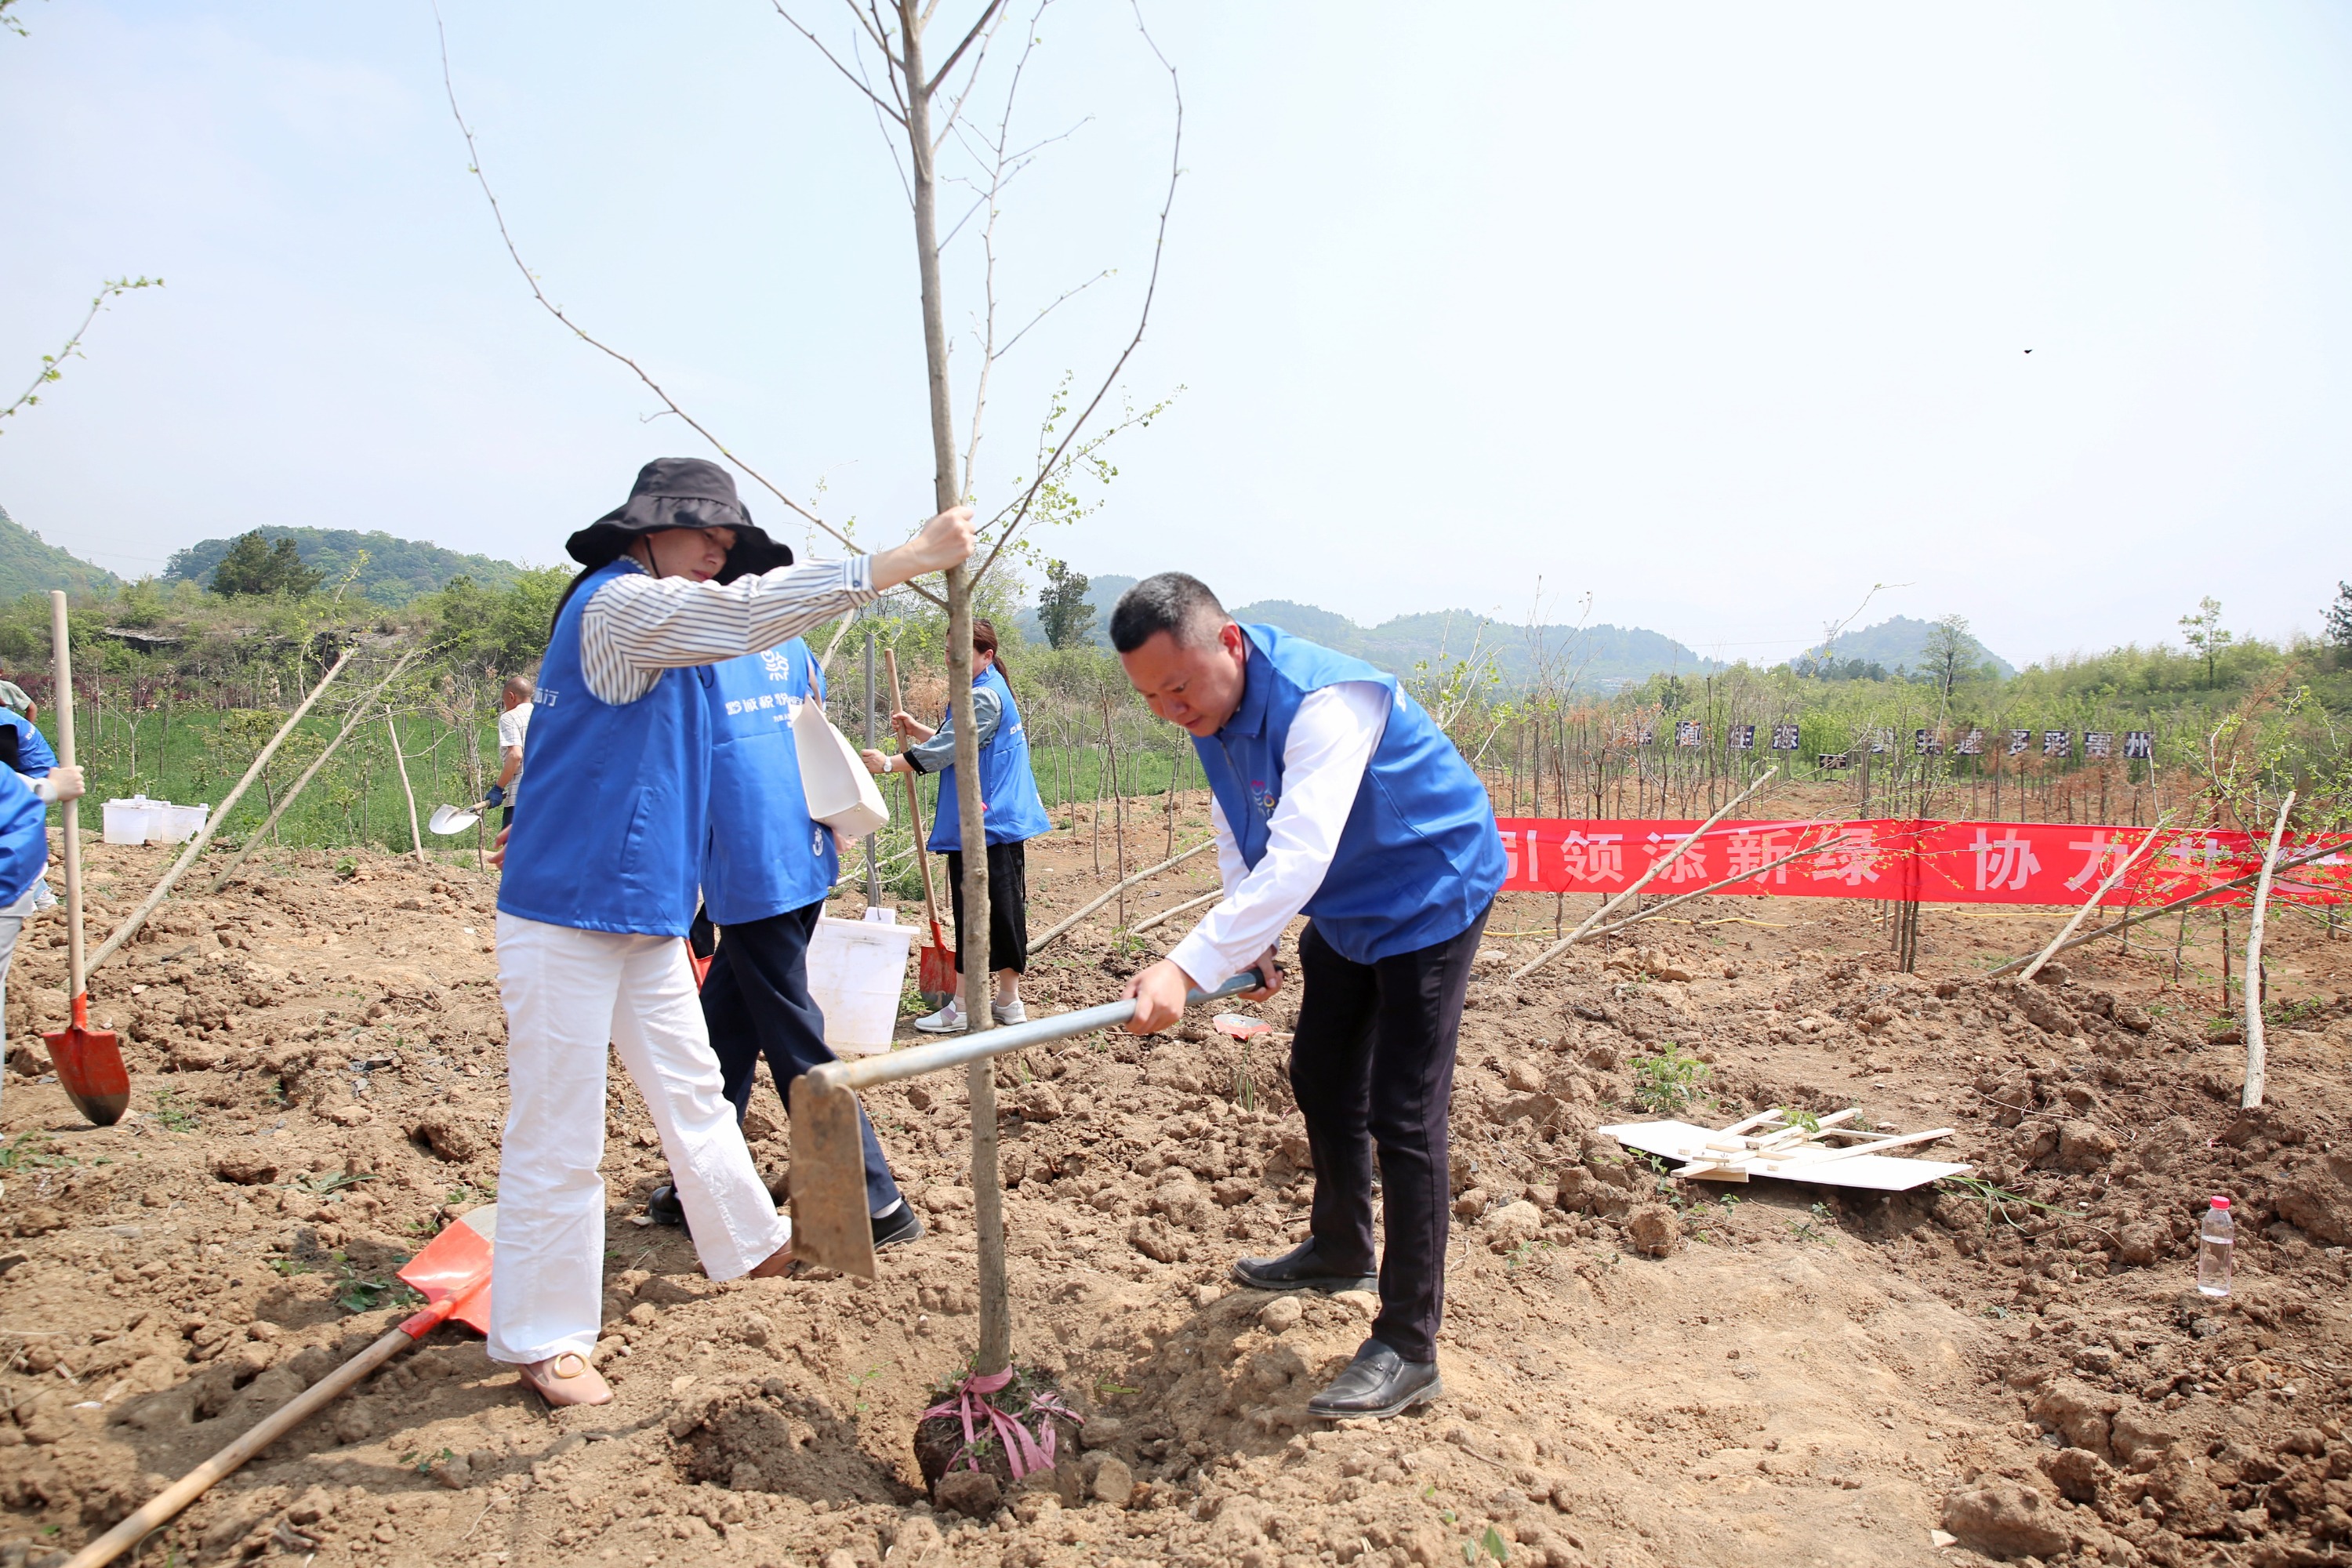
{"x": 1008, "y": 906}
{"x": 1372, "y": 1066}
{"x": 756, "y": 1002}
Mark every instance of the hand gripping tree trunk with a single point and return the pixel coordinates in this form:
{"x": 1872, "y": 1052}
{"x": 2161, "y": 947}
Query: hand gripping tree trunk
{"x": 988, "y": 1192}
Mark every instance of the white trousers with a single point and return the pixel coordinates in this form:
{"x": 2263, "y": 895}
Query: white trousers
{"x": 567, "y": 994}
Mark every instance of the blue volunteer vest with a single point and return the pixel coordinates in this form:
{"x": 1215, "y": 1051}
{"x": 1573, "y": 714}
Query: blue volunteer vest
{"x": 24, "y": 837}
{"x": 619, "y": 795}
{"x": 1420, "y": 856}
{"x": 33, "y": 757}
{"x": 1010, "y": 809}
{"x": 764, "y": 855}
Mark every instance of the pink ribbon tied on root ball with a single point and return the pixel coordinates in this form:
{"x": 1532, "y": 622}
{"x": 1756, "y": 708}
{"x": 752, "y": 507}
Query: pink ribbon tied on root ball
{"x": 1022, "y": 1453}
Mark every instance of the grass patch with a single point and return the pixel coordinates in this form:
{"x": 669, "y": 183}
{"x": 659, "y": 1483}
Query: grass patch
{"x": 1668, "y": 1081}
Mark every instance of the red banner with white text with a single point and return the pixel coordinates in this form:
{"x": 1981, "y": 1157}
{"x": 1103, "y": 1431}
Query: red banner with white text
{"x": 1933, "y": 862}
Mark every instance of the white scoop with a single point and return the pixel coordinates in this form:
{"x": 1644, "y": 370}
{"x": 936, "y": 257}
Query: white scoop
{"x": 454, "y": 818}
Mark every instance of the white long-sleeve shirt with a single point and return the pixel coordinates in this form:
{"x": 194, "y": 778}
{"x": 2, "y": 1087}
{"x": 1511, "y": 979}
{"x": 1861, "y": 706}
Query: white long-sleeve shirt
{"x": 638, "y": 626}
{"x": 1331, "y": 740}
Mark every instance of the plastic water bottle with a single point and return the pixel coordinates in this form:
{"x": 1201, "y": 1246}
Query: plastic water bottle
{"x": 2216, "y": 1235}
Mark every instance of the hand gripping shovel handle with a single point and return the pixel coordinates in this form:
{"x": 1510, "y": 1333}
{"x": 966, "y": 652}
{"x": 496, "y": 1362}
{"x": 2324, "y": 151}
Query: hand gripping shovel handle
{"x": 831, "y": 1227}
{"x": 914, "y": 806}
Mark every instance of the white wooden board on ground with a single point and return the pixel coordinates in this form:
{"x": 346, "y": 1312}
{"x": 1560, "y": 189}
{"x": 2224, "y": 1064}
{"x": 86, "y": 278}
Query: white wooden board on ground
{"x": 1878, "y": 1173}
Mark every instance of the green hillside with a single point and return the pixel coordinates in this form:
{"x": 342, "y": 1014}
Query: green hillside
{"x": 28, "y": 566}
{"x": 378, "y": 567}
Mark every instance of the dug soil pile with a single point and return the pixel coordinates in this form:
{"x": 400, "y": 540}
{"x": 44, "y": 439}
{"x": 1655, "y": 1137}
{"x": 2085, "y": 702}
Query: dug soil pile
{"x": 1637, "y": 1375}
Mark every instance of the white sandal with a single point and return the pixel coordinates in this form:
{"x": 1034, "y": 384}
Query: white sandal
{"x": 549, "y": 1379}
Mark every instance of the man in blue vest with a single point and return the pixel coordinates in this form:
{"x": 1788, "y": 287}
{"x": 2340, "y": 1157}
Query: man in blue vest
{"x": 766, "y": 869}
{"x": 1333, "y": 795}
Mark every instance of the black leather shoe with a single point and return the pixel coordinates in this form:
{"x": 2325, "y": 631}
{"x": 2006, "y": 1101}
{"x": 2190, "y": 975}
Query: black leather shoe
{"x": 1378, "y": 1384}
{"x": 1300, "y": 1268}
{"x": 663, "y": 1207}
{"x": 900, "y": 1227}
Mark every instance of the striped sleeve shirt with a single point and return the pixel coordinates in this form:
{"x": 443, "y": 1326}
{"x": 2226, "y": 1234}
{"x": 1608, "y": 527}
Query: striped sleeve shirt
{"x": 638, "y": 626}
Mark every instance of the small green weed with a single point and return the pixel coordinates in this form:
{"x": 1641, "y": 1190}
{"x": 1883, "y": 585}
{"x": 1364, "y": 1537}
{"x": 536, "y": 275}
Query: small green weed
{"x": 1997, "y": 1201}
{"x": 287, "y": 1268}
{"x": 1804, "y": 1119}
{"x": 857, "y": 1381}
{"x": 347, "y": 866}
{"x": 355, "y": 1293}
{"x": 175, "y": 1117}
{"x": 1668, "y": 1081}
{"x": 1489, "y": 1545}
{"x": 31, "y": 1149}
{"x": 1527, "y": 1251}
{"x": 323, "y": 1185}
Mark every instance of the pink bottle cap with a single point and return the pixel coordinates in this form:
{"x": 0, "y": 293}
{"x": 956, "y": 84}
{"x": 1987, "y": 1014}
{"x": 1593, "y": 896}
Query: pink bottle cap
{"x": 2220, "y": 1202}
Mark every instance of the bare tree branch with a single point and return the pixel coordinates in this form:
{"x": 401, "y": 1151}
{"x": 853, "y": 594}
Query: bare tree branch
{"x": 1143, "y": 318}
{"x": 847, "y": 75}
{"x": 985, "y": 25}
{"x": 474, "y": 167}
{"x": 53, "y": 366}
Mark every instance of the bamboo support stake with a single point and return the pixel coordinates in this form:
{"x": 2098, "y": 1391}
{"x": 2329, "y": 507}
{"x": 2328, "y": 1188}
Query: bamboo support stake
{"x": 1166, "y": 915}
{"x": 2180, "y": 906}
{"x": 1099, "y": 900}
{"x": 2147, "y": 841}
{"x": 1663, "y": 861}
{"x": 359, "y": 712}
{"x": 2257, "y": 1062}
{"x": 197, "y": 846}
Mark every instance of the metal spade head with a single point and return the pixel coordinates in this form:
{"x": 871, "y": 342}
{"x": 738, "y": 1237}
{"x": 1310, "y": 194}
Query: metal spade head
{"x": 89, "y": 1068}
{"x": 831, "y": 1229}
{"x": 453, "y": 818}
{"x": 455, "y": 1266}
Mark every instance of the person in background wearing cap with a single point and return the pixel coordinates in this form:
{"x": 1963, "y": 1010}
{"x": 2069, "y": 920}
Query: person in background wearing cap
{"x": 1012, "y": 815}
{"x": 1333, "y": 794}
{"x": 599, "y": 888}
{"x": 26, "y": 752}
{"x": 766, "y": 871}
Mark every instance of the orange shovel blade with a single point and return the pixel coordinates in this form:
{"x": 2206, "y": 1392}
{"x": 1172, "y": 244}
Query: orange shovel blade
{"x": 453, "y": 1272}
{"x": 89, "y": 1068}
{"x": 935, "y": 972}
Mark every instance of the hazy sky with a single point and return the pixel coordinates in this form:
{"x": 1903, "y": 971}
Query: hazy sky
{"x": 1717, "y": 313}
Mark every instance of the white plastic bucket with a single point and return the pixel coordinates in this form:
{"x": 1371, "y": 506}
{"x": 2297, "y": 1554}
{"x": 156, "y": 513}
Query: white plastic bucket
{"x": 857, "y": 972}
{"x": 177, "y": 824}
{"x": 130, "y": 821}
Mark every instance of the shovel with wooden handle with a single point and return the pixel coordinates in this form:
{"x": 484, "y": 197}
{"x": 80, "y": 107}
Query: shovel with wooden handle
{"x": 88, "y": 1061}
{"x": 452, "y": 1273}
{"x": 935, "y": 966}
{"x": 831, "y": 1229}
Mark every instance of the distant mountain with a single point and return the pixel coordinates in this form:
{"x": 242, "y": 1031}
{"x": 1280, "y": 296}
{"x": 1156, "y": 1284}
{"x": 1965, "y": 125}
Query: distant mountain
{"x": 1598, "y": 657}
{"x": 30, "y": 566}
{"x": 1901, "y": 644}
{"x": 393, "y": 572}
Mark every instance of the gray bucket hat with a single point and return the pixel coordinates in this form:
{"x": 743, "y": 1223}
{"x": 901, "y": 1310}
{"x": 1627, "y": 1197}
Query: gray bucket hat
{"x": 680, "y": 492}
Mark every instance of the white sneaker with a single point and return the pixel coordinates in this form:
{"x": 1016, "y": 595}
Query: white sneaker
{"x": 1008, "y": 1012}
{"x": 948, "y": 1020}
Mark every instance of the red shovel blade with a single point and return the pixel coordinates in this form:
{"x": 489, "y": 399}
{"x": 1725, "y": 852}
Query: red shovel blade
{"x": 89, "y": 1068}
{"x": 935, "y": 972}
{"x": 453, "y": 1272}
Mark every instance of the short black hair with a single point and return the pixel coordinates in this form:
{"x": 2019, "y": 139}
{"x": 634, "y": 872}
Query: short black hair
{"x": 1173, "y": 601}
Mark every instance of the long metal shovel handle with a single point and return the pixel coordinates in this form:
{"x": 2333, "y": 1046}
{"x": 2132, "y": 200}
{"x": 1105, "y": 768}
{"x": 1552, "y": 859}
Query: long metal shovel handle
{"x": 831, "y": 1226}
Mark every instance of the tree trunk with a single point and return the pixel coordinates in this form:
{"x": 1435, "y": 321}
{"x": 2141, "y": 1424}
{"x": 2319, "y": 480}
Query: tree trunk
{"x": 988, "y": 1196}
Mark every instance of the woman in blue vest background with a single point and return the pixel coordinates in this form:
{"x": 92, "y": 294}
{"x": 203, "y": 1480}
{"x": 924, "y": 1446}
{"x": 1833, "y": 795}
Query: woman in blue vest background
{"x": 1010, "y": 809}
{"x": 766, "y": 869}
{"x": 29, "y": 785}
{"x": 600, "y": 886}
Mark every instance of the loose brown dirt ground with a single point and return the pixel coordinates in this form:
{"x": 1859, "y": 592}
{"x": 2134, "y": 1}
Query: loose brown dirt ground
{"x": 1635, "y": 1375}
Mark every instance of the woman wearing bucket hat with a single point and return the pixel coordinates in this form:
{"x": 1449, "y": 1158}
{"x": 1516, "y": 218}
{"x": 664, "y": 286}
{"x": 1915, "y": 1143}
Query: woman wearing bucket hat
{"x": 600, "y": 887}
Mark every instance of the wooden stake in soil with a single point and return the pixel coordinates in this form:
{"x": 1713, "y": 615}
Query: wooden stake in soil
{"x": 1107, "y": 894}
{"x": 197, "y": 846}
{"x": 416, "y": 838}
{"x": 2255, "y": 1059}
{"x": 2147, "y": 841}
{"x": 359, "y": 712}
{"x": 1663, "y": 861}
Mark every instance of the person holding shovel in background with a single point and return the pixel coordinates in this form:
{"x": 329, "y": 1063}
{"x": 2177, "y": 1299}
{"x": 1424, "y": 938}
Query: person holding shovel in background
{"x": 1013, "y": 812}
{"x": 514, "y": 725}
{"x": 29, "y": 785}
{"x": 1333, "y": 794}
{"x": 600, "y": 890}
{"x": 766, "y": 871}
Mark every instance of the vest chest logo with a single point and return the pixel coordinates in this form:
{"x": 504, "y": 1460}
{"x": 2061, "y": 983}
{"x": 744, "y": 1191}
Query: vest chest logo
{"x": 816, "y": 841}
{"x": 1268, "y": 799}
{"x": 778, "y": 663}
{"x": 765, "y": 699}
{"x": 545, "y": 695}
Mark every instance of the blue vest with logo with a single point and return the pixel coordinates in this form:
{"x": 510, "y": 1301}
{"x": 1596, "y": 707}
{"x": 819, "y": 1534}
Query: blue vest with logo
{"x": 33, "y": 757}
{"x": 764, "y": 856}
{"x": 1010, "y": 810}
{"x": 24, "y": 837}
{"x": 619, "y": 795}
{"x": 1420, "y": 856}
